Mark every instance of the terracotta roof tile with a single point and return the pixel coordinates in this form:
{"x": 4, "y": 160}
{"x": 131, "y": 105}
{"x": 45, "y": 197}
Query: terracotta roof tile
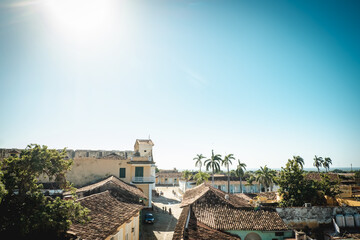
{"x": 180, "y": 225}
{"x": 197, "y": 230}
{"x": 169, "y": 174}
{"x": 106, "y": 213}
{"x": 110, "y": 183}
{"x": 250, "y": 196}
{"x": 208, "y": 193}
{"x": 224, "y": 217}
{"x": 317, "y": 176}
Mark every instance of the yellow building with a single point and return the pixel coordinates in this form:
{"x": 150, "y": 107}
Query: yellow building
{"x": 132, "y": 166}
{"x": 136, "y": 167}
{"x": 168, "y": 177}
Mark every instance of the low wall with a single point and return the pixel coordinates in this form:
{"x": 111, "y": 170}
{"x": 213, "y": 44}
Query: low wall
{"x": 312, "y": 217}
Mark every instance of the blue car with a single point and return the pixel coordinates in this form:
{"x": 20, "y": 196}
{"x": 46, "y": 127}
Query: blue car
{"x": 149, "y": 218}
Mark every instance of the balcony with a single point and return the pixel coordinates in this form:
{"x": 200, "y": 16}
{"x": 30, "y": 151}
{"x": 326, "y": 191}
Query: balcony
{"x": 143, "y": 179}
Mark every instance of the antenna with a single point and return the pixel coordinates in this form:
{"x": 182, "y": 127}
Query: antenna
{"x": 149, "y": 136}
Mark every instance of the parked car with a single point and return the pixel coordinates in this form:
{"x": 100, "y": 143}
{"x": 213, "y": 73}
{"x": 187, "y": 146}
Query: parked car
{"x": 149, "y": 218}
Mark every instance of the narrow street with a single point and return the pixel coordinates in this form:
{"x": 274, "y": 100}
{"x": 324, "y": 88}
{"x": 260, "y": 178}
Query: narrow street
{"x": 164, "y": 225}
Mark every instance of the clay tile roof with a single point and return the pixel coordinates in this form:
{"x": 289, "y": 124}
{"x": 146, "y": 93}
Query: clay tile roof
{"x": 112, "y": 180}
{"x": 197, "y": 230}
{"x": 224, "y": 217}
{"x": 246, "y": 196}
{"x": 106, "y": 213}
{"x": 180, "y": 225}
{"x": 169, "y": 174}
{"x": 317, "y": 176}
{"x": 209, "y": 194}
{"x": 251, "y": 196}
{"x": 268, "y": 195}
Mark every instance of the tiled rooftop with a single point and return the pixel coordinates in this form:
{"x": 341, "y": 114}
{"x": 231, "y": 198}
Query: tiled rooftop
{"x": 213, "y": 212}
{"x": 250, "y": 196}
{"x": 206, "y": 192}
{"x": 169, "y": 174}
{"x": 317, "y": 176}
{"x": 224, "y": 217}
{"x": 180, "y": 225}
{"x": 123, "y": 191}
{"x": 106, "y": 213}
{"x": 197, "y": 230}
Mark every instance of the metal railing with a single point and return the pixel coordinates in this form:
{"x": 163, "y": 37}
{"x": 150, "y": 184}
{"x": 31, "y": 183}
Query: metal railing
{"x": 143, "y": 179}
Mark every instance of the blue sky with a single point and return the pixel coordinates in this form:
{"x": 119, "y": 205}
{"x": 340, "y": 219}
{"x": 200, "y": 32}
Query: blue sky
{"x": 264, "y": 80}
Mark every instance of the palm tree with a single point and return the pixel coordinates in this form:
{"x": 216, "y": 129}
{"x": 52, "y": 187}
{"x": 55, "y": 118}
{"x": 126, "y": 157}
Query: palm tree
{"x": 249, "y": 181}
{"x": 299, "y": 160}
{"x": 227, "y": 161}
{"x": 241, "y": 167}
{"x": 201, "y": 177}
{"x": 266, "y": 176}
{"x": 198, "y": 160}
{"x": 213, "y": 163}
{"x": 326, "y": 164}
{"x": 187, "y": 175}
{"x": 318, "y": 162}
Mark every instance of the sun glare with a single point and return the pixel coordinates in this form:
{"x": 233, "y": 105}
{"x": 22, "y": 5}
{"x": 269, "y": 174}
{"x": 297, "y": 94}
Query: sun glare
{"x": 81, "y": 19}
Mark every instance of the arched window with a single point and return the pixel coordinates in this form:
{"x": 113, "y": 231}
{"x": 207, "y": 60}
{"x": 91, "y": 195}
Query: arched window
{"x": 252, "y": 236}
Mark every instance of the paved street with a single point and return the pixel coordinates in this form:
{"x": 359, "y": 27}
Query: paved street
{"x": 163, "y": 228}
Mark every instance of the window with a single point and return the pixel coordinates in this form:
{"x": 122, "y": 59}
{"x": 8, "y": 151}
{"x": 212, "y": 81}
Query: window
{"x": 122, "y": 172}
{"x": 252, "y": 236}
{"x": 279, "y": 234}
{"x": 139, "y": 171}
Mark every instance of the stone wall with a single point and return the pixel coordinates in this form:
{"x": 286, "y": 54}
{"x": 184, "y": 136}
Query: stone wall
{"x": 312, "y": 217}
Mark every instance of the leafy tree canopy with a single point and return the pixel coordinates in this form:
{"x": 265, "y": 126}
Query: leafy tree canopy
{"x": 25, "y": 213}
{"x": 296, "y": 190}
{"x": 201, "y": 177}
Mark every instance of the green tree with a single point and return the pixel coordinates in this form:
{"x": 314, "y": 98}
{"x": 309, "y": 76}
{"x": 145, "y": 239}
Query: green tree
{"x": 201, "y": 177}
{"x": 198, "y": 160}
{"x": 227, "y": 161}
{"x": 326, "y": 163}
{"x": 294, "y": 188}
{"x": 266, "y": 176}
{"x": 250, "y": 180}
{"x": 213, "y": 163}
{"x": 328, "y": 187}
{"x": 233, "y": 173}
{"x": 240, "y": 168}
{"x": 318, "y": 162}
{"x": 187, "y": 175}
{"x": 25, "y": 213}
{"x": 299, "y": 160}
